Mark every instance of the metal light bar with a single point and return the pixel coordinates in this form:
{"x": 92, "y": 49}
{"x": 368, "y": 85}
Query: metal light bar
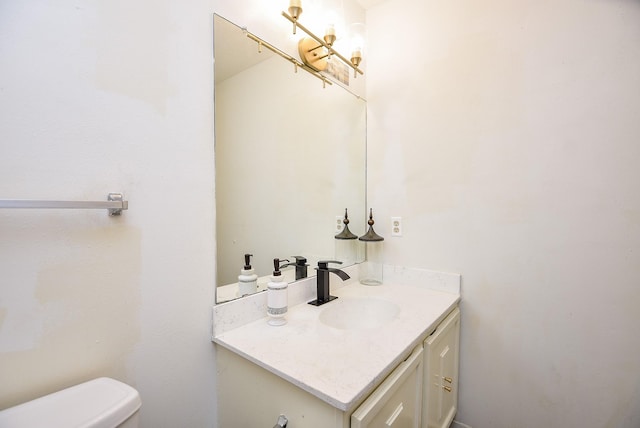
{"x": 115, "y": 203}
{"x": 289, "y": 58}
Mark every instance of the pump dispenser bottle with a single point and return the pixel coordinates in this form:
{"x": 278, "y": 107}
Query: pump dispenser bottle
{"x": 247, "y": 280}
{"x": 277, "y": 299}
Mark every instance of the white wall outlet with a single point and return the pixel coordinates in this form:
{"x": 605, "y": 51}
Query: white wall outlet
{"x": 338, "y": 227}
{"x": 396, "y": 226}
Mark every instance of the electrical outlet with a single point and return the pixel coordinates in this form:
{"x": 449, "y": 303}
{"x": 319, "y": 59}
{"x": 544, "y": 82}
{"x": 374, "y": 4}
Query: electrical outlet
{"x": 396, "y": 226}
{"x": 339, "y": 224}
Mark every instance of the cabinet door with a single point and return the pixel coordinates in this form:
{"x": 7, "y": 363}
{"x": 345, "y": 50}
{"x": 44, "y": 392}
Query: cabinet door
{"x": 441, "y": 373}
{"x": 396, "y": 403}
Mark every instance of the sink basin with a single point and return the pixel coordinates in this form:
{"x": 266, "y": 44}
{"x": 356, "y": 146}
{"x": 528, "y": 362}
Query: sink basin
{"x": 358, "y": 314}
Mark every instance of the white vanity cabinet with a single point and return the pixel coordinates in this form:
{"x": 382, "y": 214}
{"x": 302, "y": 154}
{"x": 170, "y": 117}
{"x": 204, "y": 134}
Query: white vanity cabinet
{"x": 249, "y": 396}
{"x": 252, "y": 397}
{"x": 441, "y": 373}
{"x": 421, "y": 392}
{"x": 322, "y": 376}
{"x": 397, "y": 402}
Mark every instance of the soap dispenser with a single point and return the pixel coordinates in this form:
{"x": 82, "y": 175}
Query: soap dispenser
{"x": 277, "y": 299}
{"x": 247, "y": 280}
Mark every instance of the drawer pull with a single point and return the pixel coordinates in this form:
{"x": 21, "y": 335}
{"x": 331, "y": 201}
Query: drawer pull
{"x": 448, "y": 379}
{"x": 447, "y": 388}
{"x": 394, "y": 415}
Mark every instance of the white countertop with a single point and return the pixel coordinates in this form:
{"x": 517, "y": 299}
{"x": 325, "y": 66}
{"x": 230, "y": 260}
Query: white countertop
{"x": 341, "y": 366}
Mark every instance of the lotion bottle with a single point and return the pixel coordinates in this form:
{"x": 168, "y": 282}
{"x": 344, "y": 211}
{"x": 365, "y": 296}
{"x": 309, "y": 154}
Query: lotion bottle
{"x": 277, "y": 299}
{"x": 247, "y": 280}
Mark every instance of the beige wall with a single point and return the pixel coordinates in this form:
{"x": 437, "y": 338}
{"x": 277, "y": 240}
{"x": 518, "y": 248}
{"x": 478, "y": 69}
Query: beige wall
{"x": 506, "y": 136}
{"x": 504, "y": 133}
{"x": 99, "y": 97}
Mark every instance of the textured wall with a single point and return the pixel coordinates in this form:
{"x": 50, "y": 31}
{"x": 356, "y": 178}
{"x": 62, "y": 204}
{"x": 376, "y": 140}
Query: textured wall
{"x": 506, "y": 136}
{"x": 98, "y": 97}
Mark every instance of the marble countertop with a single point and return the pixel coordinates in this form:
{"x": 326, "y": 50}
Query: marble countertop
{"x": 339, "y": 366}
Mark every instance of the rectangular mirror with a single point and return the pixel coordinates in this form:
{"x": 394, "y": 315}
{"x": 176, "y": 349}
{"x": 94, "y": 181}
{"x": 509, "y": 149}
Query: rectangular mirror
{"x": 290, "y": 157}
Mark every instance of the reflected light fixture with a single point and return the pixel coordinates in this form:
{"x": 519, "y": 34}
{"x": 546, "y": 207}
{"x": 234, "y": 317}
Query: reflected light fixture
{"x": 315, "y": 51}
{"x": 356, "y": 36}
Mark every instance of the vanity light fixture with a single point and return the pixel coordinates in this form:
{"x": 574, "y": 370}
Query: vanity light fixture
{"x": 315, "y": 51}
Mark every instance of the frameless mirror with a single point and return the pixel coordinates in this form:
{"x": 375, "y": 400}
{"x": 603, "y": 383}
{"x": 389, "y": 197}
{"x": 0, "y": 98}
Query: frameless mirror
{"x": 290, "y": 157}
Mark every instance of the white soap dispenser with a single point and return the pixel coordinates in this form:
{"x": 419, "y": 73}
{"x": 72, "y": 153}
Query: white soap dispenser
{"x": 277, "y": 299}
{"x": 247, "y": 280}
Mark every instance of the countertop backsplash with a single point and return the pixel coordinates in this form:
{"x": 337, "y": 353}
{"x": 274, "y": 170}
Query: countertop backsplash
{"x": 236, "y": 313}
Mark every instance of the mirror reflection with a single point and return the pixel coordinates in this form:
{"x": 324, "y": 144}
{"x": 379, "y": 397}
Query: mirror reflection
{"x": 290, "y": 157}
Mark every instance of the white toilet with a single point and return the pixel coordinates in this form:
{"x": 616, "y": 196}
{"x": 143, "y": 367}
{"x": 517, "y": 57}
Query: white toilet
{"x": 99, "y": 403}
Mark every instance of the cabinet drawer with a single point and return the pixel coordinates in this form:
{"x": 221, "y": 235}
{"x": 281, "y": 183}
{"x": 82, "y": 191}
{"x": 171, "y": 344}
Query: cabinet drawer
{"x": 396, "y": 402}
{"x": 441, "y": 373}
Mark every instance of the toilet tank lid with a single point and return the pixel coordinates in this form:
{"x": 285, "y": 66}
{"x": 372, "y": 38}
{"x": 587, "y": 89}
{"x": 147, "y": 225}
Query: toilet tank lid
{"x": 99, "y": 403}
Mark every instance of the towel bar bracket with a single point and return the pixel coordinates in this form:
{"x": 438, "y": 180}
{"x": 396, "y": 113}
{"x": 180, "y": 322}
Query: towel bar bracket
{"x": 118, "y": 198}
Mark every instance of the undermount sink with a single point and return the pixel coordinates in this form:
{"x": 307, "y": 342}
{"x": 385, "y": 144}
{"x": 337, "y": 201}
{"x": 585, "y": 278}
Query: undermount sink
{"x": 358, "y": 314}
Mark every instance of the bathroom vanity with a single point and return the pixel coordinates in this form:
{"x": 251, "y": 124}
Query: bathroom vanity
{"x": 377, "y": 356}
{"x": 383, "y": 356}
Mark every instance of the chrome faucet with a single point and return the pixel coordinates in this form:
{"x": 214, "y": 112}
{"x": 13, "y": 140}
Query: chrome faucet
{"x": 323, "y": 281}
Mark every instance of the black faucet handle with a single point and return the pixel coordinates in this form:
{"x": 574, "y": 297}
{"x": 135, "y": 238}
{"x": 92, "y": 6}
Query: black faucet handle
{"x": 300, "y": 261}
{"x": 324, "y": 264}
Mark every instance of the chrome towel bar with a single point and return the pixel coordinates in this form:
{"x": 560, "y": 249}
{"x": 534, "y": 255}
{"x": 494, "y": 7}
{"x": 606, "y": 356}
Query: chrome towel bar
{"x": 115, "y": 203}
